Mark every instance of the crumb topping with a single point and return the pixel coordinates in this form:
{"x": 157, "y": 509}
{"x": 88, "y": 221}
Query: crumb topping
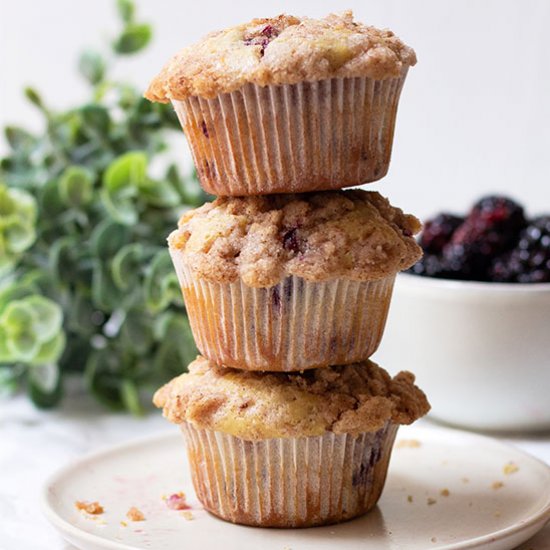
{"x": 281, "y": 50}
{"x": 351, "y": 234}
{"x": 349, "y": 399}
{"x": 92, "y": 508}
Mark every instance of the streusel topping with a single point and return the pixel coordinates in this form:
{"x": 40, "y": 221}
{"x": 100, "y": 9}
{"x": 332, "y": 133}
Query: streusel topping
{"x": 349, "y": 399}
{"x": 281, "y": 50}
{"x": 351, "y": 234}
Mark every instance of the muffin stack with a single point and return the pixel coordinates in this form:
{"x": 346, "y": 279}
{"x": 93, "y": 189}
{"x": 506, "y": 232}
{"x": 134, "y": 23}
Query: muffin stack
{"x": 287, "y": 279}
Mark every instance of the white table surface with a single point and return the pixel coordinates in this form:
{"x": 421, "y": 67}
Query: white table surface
{"x": 35, "y": 443}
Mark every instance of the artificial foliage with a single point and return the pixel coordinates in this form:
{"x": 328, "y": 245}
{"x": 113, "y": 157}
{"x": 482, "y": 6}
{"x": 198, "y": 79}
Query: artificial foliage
{"x": 86, "y": 282}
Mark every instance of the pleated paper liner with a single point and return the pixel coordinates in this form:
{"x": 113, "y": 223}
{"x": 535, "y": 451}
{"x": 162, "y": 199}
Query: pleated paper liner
{"x": 310, "y": 136}
{"x": 292, "y": 326}
{"x": 289, "y": 482}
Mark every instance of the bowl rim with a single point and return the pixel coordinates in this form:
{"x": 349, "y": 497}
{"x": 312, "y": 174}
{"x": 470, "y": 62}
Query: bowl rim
{"x": 482, "y": 286}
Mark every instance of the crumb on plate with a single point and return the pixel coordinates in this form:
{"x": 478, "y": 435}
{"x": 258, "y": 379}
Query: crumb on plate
{"x": 510, "y": 468}
{"x": 431, "y": 501}
{"x": 188, "y": 515}
{"x": 408, "y": 443}
{"x": 124, "y": 524}
{"x": 177, "y": 501}
{"x": 497, "y": 485}
{"x": 445, "y": 492}
{"x": 409, "y": 498}
{"x": 134, "y": 514}
{"x": 93, "y": 508}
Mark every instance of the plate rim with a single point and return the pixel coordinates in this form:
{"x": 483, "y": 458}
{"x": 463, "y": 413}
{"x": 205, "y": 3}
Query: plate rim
{"x": 539, "y": 517}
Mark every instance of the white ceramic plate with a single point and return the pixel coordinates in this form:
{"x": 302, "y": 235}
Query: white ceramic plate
{"x": 484, "y": 508}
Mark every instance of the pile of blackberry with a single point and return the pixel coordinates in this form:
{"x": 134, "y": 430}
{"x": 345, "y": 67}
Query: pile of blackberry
{"x": 495, "y": 242}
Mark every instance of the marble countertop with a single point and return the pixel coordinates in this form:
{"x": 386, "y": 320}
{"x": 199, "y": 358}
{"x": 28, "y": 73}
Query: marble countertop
{"x": 33, "y": 444}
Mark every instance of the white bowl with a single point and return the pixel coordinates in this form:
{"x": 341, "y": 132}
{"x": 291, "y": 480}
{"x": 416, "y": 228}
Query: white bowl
{"x": 480, "y": 351}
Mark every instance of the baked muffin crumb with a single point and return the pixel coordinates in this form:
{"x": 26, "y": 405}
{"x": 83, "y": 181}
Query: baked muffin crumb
{"x": 349, "y": 399}
{"x": 352, "y": 234}
{"x": 134, "y": 514}
{"x": 281, "y": 50}
{"x": 92, "y": 508}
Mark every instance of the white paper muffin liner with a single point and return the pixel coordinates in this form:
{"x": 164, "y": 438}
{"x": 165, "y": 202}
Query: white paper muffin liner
{"x": 292, "y": 326}
{"x": 310, "y": 136}
{"x": 289, "y": 482}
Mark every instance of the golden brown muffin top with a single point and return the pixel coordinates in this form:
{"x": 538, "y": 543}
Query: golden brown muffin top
{"x": 352, "y": 234}
{"x": 281, "y": 50}
{"x": 350, "y": 399}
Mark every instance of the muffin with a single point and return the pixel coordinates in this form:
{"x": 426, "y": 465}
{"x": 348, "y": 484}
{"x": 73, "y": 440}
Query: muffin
{"x": 290, "y": 450}
{"x": 288, "y": 104}
{"x": 291, "y": 282}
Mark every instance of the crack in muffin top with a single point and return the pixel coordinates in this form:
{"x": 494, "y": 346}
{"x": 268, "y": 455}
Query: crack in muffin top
{"x": 281, "y": 50}
{"x": 350, "y": 399}
{"x": 351, "y": 234}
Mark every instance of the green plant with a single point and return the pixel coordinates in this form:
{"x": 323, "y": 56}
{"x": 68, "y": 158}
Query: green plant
{"x": 86, "y": 283}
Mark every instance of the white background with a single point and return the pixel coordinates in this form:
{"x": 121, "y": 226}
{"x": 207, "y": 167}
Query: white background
{"x": 474, "y": 115}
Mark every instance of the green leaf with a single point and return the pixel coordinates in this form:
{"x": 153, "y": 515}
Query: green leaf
{"x": 96, "y": 117}
{"x": 18, "y": 321}
{"x": 126, "y": 10}
{"x": 107, "y": 239}
{"x": 47, "y": 319}
{"x": 14, "y": 288}
{"x": 6, "y": 355}
{"x": 61, "y": 258}
{"x": 19, "y": 139}
{"x": 126, "y": 266}
{"x": 178, "y": 347}
{"x": 130, "y": 397}
{"x": 160, "y": 194}
{"x": 103, "y": 382}
{"x": 92, "y": 67}
{"x": 8, "y": 206}
{"x": 9, "y": 377}
{"x": 50, "y": 199}
{"x": 34, "y": 97}
{"x": 51, "y": 351}
{"x": 76, "y": 186}
{"x": 105, "y": 294}
{"x": 19, "y": 235}
{"x": 161, "y": 284}
{"x": 133, "y": 38}
{"x": 137, "y": 331}
{"x": 128, "y": 169}
{"x": 189, "y": 189}
{"x": 45, "y": 385}
{"x": 120, "y": 186}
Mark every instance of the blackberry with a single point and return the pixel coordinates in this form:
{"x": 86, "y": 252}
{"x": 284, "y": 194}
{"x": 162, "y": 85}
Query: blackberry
{"x": 438, "y": 231}
{"x": 529, "y": 261}
{"x": 262, "y": 38}
{"x": 491, "y": 228}
{"x": 430, "y": 265}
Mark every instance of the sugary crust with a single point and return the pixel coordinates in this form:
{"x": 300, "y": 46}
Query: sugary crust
{"x": 350, "y": 399}
{"x": 321, "y": 236}
{"x": 281, "y": 50}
